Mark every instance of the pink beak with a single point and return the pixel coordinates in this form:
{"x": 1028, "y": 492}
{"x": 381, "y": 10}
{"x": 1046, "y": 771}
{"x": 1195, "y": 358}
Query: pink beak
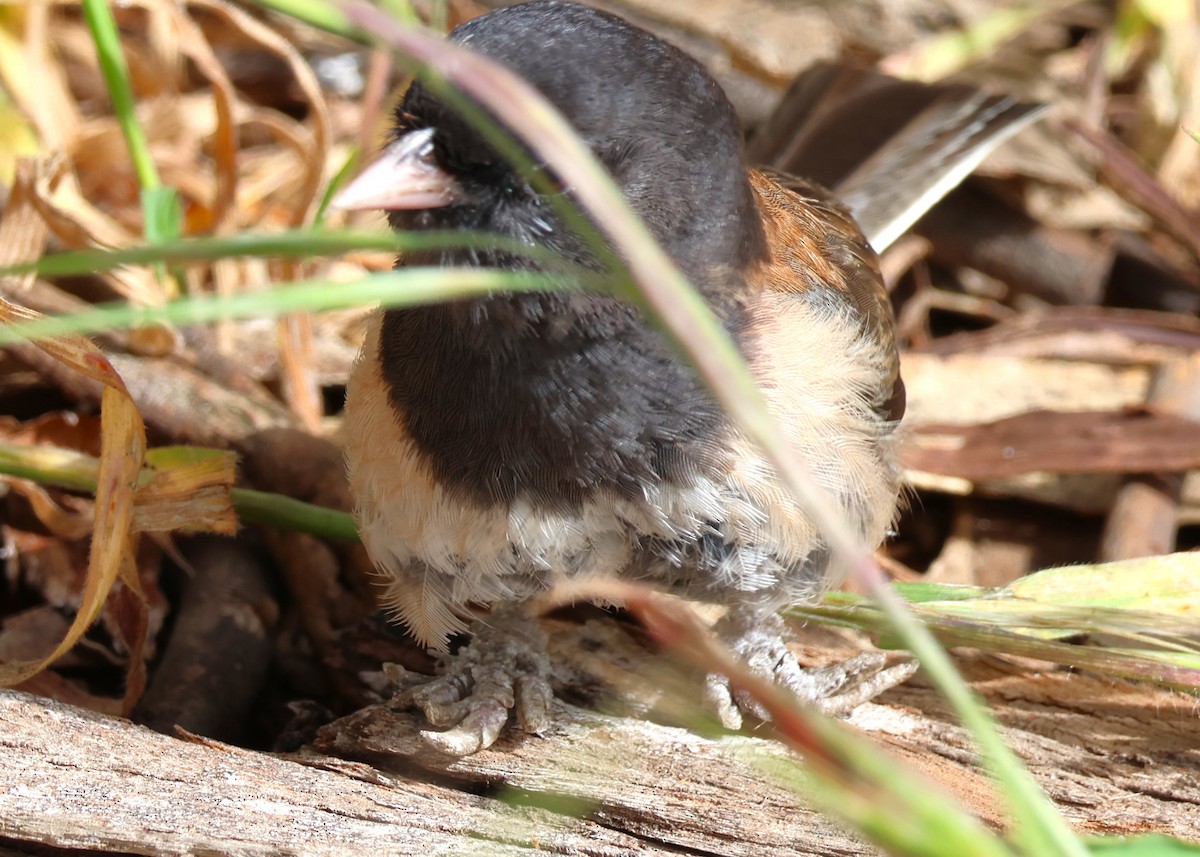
{"x": 404, "y": 178}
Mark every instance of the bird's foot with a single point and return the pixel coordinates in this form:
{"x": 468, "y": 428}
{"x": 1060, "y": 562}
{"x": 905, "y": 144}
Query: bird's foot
{"x": 504, "y": 671}
{"x": 757, "y": 637}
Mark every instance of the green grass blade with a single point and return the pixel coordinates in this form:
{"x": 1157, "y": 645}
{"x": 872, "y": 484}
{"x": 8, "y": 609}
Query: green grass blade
{"x": 408, "y": 287}
{"x": 116, "y": 77}
{"x": 75, "y": 471}
{"x": 295, "y": 244}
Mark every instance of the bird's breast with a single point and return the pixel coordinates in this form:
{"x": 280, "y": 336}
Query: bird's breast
{"x": 465, "y": 493}
{"x": 537, "y": 399}
{"x": 511, "y": 494}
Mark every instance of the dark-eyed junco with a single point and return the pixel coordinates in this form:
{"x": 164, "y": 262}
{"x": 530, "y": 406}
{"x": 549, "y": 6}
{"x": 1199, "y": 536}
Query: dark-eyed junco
{"x": 496, "y": 444}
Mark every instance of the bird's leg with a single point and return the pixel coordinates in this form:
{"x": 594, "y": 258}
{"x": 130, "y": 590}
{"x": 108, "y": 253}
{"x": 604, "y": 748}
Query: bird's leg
{"x": 504, "y": 670}
{"x": 757, "y": 636}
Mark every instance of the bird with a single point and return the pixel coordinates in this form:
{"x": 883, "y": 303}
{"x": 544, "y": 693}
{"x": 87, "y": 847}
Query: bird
{"x": 497, "y": 444}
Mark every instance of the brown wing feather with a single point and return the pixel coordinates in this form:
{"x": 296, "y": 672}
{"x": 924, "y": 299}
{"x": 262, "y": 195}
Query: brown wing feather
{"x": 815, "y": 244}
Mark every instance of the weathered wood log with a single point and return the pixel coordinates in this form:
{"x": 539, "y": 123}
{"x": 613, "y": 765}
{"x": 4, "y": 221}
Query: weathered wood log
{"x": 1114, "y": 756}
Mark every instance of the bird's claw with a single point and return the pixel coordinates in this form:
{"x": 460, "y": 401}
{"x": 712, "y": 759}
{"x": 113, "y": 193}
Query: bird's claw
{"x": 504, "y": 670}
{"x": 757, "y": 638}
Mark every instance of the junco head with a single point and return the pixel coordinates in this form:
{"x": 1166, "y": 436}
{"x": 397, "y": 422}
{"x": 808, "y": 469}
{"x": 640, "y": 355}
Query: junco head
{"x": 650, "y": 113}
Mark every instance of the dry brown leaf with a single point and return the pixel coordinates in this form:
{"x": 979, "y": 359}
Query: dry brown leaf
{"x": 34, "y": 78}
{"x": 58, "y": 428}
{"x": 188, "y": 490}
{"x": 295, "y": 334}
{"x": 123, "y": 436}
{"x": 80, "y": 225}
{"x": 66, "y": 524}
{"x": 224, "y": 138}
